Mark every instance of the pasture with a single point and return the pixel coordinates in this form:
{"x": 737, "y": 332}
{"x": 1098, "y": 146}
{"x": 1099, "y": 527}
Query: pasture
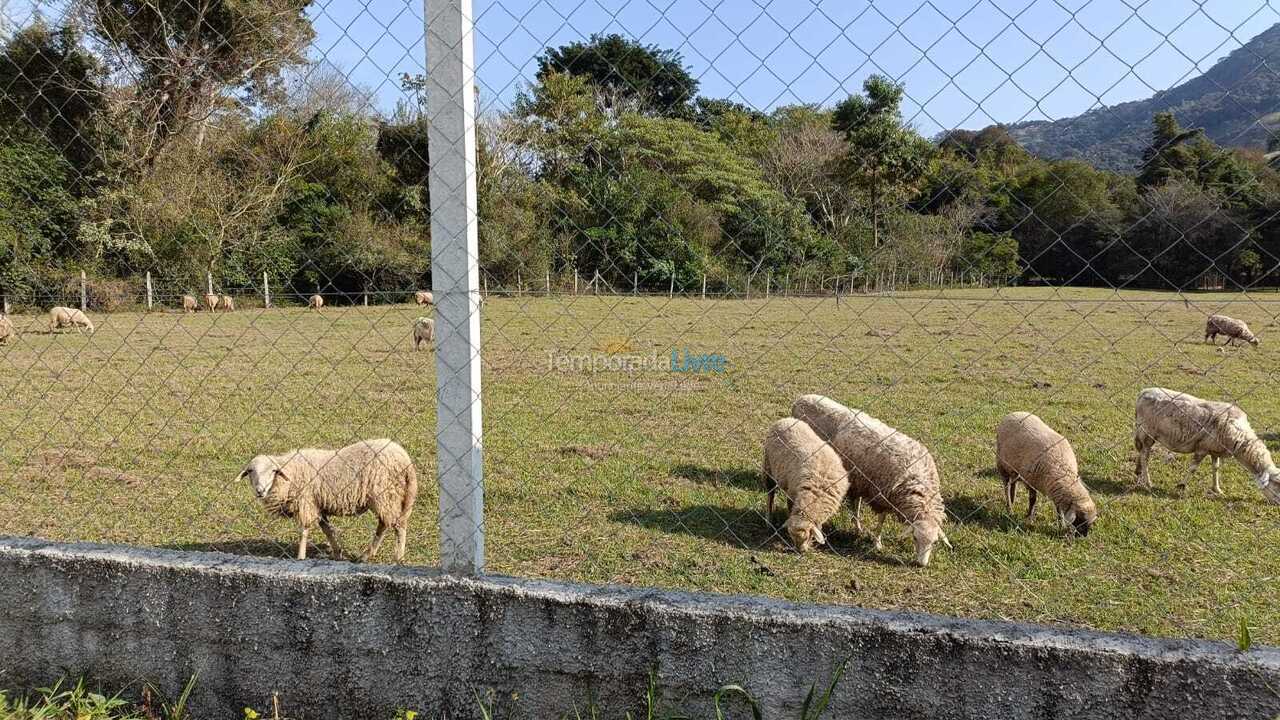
{"x": 651, "y": 477}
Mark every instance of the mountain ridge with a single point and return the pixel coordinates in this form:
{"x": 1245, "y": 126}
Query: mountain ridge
{"x": 1228, "y": 100}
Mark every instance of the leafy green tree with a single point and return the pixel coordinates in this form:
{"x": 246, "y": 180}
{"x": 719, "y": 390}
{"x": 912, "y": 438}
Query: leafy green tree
{"x": 183, "y": 55}
{"x": 652, "y": 78}
{"x": 1175, "y": 153}
{"x": 39, "y": 216}
{"x": 54, "y": 87}
{"x": 885, "y": 158}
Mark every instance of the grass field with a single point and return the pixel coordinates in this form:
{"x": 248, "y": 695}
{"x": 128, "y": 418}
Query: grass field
{"x": 651, "y": 477}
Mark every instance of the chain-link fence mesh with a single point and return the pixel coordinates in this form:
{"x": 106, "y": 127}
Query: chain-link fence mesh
{"x": 690, "y": 215}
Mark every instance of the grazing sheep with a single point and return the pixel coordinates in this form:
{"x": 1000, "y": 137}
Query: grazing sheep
{"x": 315, "y": 302}
{"x": 7, "y": 332}
{"x": 1186, "y": 424}
{"x": 69, "y": 317}
{"x": 424, "y": 330}
{"x": 893, "y": 472}
{"x": 1232, "y": 328}
{"x": 422, "y": 297}
{"x": 211, "y": 302}
{"x": 189, "y": 304}
{"x": 810, "y": 475}
{"x": 313, "y": 485}
{"x": 826, "y": 417}
{"x": 226, "y": 304}
{"x": 1030, "y": 451}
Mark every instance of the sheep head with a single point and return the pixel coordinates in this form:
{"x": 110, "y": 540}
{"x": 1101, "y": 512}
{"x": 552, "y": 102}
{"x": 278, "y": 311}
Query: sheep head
{"x": 1269, "y": 483}
{"x": 1079, "y": 518}
{"x": 262, "y": 472}
{"x": 925, "y": 533}
{"x": 804, "y": 534}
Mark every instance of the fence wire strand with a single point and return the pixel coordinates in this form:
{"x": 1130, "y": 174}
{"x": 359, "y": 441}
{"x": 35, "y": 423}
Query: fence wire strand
{"x": 687, "y": 217}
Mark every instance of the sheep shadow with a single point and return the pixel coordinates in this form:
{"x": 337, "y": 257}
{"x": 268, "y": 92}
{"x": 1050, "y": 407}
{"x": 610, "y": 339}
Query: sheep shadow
{"x": 745, "y": 478}
{"x": 259, "y": 547}
{"x": 748, "y": 529}
{"x": 990, "y": 514}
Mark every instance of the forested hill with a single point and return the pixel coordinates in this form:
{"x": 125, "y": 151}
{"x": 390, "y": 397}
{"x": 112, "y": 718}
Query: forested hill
{"x": 1227, "y": 101}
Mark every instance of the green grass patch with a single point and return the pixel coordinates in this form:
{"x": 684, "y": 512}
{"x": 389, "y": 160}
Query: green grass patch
{"x": 651, "y": 477}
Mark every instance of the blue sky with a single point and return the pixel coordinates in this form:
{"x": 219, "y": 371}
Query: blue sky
{"x": 965, "y": 63}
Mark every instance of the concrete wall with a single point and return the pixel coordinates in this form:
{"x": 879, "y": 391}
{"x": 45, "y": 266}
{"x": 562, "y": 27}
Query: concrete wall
{"x": 342, "y": 640}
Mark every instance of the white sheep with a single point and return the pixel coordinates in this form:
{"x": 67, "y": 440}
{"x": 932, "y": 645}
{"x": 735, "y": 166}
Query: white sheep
{"x": 1031, "y": 452}
{"x": 423, "y": 297}
{"x": 1234, "y": 330}
{"x": 211, "y": 302}
{"x": 891, "y": 471}
{"x": 189, "y": 304}
{"x": 1186, "y": 424}
{"x": 226, "y": 303}
{"x": 315, "y": 302}
{"x": 311, "y": 485}
{"x": 424, "y": 330}
{"x": 69, "y": 317}
{"x": 7, "y": 332}
{"x": 811, "y": 476}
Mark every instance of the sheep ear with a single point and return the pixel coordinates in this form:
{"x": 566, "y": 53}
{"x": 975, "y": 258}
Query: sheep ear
{"x": 818, "y": 536}
{"x": 242, "y": 474}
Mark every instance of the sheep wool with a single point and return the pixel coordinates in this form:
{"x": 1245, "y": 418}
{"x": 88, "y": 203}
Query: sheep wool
{"x": 69, "y": 317}
{"x": 315, "y": 302}
{"x": 895, "y": 474}
{"x": 424, "y": 330}
{"x": 1232, "y": 328}
{"x": 189, "y": 304}
{"x": 211, "y": 302}
{"x": 7, "y": 332}
{"x": 226, "y": 304}
{"x": 811, "y": 476}
{"x": 422, "y": 297}
{"x": 1031, "y": 452}
{"x": 311, "y": 485}
{"x": 1201, "y": 428}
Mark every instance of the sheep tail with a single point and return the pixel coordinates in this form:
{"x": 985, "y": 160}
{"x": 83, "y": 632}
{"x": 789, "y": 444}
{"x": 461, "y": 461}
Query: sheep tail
{"x": 410, "y": 495}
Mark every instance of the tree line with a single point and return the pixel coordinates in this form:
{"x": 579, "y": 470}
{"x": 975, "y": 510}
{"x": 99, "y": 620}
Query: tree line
{"x": 155, "y": 137}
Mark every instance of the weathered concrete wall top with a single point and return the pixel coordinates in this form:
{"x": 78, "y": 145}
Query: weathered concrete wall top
{"x": 352, "y": 641}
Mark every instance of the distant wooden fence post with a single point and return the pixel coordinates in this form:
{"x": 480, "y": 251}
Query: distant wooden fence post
{"x": 84, "y": 292}
{"x": 149, "y": 290}
{"x": 635, "y": 283}
{"x": 748, "y": 287}
{"x": 208, "y": 278}
{"x": 671, "y": 291}
{"x": 6, "y": 304}
{"x": 768, "y": 285}
{"x": 518, "y": 281}
{"x": 548, "y": 283}
{"x": 266, "y": 291}
{"x": 575, "y": 281}
{"x": 704, "y": 286}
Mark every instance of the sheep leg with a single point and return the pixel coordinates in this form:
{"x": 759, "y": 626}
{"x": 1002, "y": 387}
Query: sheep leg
{"x": 302, "y": 544}
{"x": 857, "y": 516}
{"x": 331, "y": 533}
{"x": 1217, "y": 477}
{"x": 1195, "y": 465}
{"x": 880, "y": 532}
{"x": 378, "y": 535}
{"x": 1031, "y": 503}
{"x": 402, "y": 537}
{"x": 1140, "y": 470}
{"x": 771, "y": 490}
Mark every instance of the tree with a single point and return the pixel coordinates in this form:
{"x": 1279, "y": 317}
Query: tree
{"x": 1178, "y": 154}
{"x": 885, "y": 159}
{"x": 53, "y": 87}
{"x": 182, "y": 54}
{"x": 625, "y": 70}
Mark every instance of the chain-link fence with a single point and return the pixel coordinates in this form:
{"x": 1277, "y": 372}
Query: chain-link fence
{"x": 650, "y": 232}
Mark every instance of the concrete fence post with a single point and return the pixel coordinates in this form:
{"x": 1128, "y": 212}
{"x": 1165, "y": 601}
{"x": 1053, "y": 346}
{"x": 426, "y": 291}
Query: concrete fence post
{"x": 84, "y": 292}
{"x": 671, "y": 291}
{"x": 704, "y": 286}
{"x": 208, "y": 278}
{"x": 548, "y": 283}
{"x": 455, "y": 278}
{"x": 149, "y": 303}
{"x": 575, "y": 281}
{"x": 6, "y": 304}
{"x": 518, "y": 283}
{"x": 266, "y": 291}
